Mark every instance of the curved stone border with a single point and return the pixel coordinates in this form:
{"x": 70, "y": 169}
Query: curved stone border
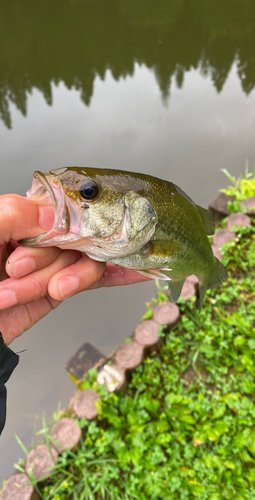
{"x": 129, "y": 355}
{"x": 66, "y": 433}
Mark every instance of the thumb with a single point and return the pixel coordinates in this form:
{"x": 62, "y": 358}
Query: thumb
{"x": 23, "y": 218}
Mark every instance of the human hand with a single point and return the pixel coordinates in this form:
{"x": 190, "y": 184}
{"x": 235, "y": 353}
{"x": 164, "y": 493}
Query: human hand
{"x": 33, "y": 281}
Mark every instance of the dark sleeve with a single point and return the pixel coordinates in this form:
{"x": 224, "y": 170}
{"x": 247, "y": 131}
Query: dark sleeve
{"x": 8, "y": 361}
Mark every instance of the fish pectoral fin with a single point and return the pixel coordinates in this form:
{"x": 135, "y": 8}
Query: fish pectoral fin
{"x": 175, "y": 288}
{"x": 207, "y": 219}
{"x": 154, "y": 273}
{"x": 162, "y": 248}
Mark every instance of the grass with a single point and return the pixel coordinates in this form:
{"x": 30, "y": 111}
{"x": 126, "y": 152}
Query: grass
{"x": 185, "y": 427}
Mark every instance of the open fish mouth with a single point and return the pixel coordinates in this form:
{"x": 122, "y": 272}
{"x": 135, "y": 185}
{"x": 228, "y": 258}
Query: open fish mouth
{"x": 46, "y": 192}
{"x": 42, "y": 191}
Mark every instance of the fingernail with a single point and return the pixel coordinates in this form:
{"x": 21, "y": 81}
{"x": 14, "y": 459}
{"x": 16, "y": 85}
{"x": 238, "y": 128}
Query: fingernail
{"x": 7, "y": 298}
{"x": 22, "y": 267}
{"x": 67, "y": 286}
{"x": 46, "y": 217}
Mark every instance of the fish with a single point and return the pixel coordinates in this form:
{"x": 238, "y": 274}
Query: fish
{"x": 129, "y": 219}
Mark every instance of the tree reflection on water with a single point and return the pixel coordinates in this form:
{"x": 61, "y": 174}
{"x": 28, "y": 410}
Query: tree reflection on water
{"x": 73, "y": 41}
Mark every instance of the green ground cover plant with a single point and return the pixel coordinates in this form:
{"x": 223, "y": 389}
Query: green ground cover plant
{"x": 185, "y": 427}
{"x": 243, "y": 187}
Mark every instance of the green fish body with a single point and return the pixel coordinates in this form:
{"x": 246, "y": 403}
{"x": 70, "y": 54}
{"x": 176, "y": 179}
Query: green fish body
{"x": 132, "y": 220}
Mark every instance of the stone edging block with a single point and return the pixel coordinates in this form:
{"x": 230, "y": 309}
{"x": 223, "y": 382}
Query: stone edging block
{"x": 129, "y": 355}
{"x": 18, "y": 487}
{"x": 40, "y": 460}
{"x": 84, "y": 404}
{"x": 146, "y": 333}
{"x": 219, "y": 206}
{"x": 223, "y": 236}
{"x": 216, "y": 252}
{"x": 188, "y": 289}
{"x": 66, "y": 433}
{"x": 166, "y": 313}
{"x": 219, "y": 238}
{"x": 249, "y": 205}
{"x": 238, "y": 219}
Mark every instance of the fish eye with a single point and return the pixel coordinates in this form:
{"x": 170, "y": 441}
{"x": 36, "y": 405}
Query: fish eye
{"x": 89, "y": 190}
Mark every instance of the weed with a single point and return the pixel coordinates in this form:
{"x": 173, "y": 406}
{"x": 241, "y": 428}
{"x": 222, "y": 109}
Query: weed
{"x": 242, "y": 188}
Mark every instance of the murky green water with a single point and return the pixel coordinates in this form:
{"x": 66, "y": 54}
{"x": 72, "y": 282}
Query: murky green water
{"x": 161, "y": 87}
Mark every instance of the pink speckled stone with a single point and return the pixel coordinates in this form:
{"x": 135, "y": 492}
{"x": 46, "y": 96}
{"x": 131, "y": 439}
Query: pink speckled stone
{"x": 249, "y": 205}
{"x": 217, "y": 252}
{"x": 66, "y": 432}
{"x": 129, "y": 355}
{"x": 192, "y": 279}
{"x": 17, "y": 487}
{"x": 223, "y": 236}
{"x": 40, "y": 461}
{"x": 84, "y": 404}
{"x": 238, "y": 220}
{"x": 166, "y": 313}
{"x": 188, "y": 290}
{"x": 146, "y": 333}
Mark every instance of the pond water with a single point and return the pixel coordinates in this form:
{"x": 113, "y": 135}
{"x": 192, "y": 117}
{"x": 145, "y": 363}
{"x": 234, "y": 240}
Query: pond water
{"x": 165, "y": 88}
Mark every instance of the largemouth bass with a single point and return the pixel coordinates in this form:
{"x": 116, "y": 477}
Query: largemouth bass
{"x": 132, "y": 220}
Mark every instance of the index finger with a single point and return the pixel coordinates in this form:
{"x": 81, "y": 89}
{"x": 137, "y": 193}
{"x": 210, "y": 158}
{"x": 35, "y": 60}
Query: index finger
{"x": 22, "y": 218}
{"x": 89, "y": 274}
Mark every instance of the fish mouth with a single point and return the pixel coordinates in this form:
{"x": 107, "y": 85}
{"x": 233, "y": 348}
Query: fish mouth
{"x": 46, "y": 189}
{"x": 41, "y": 188}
